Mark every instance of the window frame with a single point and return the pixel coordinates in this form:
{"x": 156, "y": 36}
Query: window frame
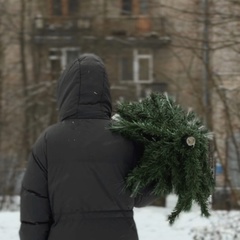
{"x": 136, "y": 57}
{"x": 125, "y": 13}
{"x": 136, "y": 8}
{"x": 63, "y": 56}
{"x": 136, "y": 68}
{"x": 146, "y": 10}
{"x": 121, "y": 70}
{"x": 52, "y": 8}
{"x": 64, "y": 62}
{"x": 65, "y": 9}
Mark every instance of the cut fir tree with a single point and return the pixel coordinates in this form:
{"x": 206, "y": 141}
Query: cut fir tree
{"x": 175, "y": 158}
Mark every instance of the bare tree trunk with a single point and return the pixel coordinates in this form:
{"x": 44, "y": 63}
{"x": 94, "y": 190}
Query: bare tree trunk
{"x": 206, "y": 64}
{"x": 24, "y": 79}
{"x": 218, "y": 35}
{"x": 1, "y": 90}
{"x": 1, "y": 75}
{"x": 15, "y": 164}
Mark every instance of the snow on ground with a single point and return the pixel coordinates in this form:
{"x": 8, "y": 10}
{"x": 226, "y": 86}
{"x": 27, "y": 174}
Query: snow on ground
{"x": 151, "y": 223}
{"x": 9, "y": 224}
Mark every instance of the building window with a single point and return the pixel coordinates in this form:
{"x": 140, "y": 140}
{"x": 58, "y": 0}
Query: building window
{"x": 143, "y": 6}
{"x": 143, "y": 67}
{"x": 55, "y": 68}
{"x": 55, "y": 63}
{"x": 64, "y": 7}
{"x": 137, "y": 67}
{"x": 134, "y": 7}
{"x": 57, "y": 8}
{"x": 69, "y": 55}
{"x": 126, "y": 68}
{"x": 127, "y": 6}
{"x": 72, "y": 7}
{"x": 60, "y": 58}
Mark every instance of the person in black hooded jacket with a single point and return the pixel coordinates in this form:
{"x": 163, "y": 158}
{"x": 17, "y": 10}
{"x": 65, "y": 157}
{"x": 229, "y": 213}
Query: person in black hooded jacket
{"x": 73, "y": 187}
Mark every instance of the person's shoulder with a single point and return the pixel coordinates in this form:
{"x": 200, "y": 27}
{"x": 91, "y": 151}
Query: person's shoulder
{"x": 52, "y": 130}
{"x": 46, "y": 132}
{"x": 53, "y": 127}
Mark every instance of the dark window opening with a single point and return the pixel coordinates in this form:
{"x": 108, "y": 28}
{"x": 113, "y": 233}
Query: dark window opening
{"x": 126, "y": 69}
{"x": 72, "y": 7}
{"x": 55, "y": 68}
{"x": 143, "y": 6}
{"x": 144, "y": 70}
{"x": 127, "y": 6}
{"x": 54, "y": 53}
{"x": 57, "y": 7}
{"x": 71, "y": 56}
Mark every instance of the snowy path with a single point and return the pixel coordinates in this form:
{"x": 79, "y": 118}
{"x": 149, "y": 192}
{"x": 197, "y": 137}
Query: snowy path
{"x": 151, "y": 223}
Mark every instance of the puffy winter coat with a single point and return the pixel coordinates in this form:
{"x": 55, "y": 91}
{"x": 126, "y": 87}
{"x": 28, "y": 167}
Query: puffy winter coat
{"x": 73, "y": 188}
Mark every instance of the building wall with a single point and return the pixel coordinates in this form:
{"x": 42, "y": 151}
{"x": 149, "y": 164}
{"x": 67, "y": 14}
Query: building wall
{"x": 225, "y": 65}
{"x": 12, "y": 99}
{"x": 169, "y": 37}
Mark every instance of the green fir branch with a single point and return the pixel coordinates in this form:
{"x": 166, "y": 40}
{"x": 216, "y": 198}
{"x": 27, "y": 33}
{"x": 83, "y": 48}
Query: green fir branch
{"x": 169, "y": 163}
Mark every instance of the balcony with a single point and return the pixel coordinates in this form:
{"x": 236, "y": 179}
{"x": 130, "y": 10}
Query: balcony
{"x": 64, "y": 29}
{"x": 134, "y": 26}
{"x": 68, "y": 29}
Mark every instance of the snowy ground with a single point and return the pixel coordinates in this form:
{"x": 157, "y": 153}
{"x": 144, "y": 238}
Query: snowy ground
{"x": 152, "y": 224}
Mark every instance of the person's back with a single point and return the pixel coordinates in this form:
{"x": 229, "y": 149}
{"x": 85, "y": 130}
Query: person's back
{"x": 86, "y": 170}
{"x": 74, "y": 186}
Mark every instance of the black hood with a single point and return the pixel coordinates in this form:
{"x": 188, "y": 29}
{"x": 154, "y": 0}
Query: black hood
{"x": 83, "y": 90}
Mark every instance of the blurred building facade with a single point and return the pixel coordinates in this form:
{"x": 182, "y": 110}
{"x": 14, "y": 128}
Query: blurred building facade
{"x": 173, "y": 46}
{"x": 127, "y": 35}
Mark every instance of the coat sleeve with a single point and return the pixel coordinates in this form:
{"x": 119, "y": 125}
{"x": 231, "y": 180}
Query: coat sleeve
{"x": 35, "y": 211}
